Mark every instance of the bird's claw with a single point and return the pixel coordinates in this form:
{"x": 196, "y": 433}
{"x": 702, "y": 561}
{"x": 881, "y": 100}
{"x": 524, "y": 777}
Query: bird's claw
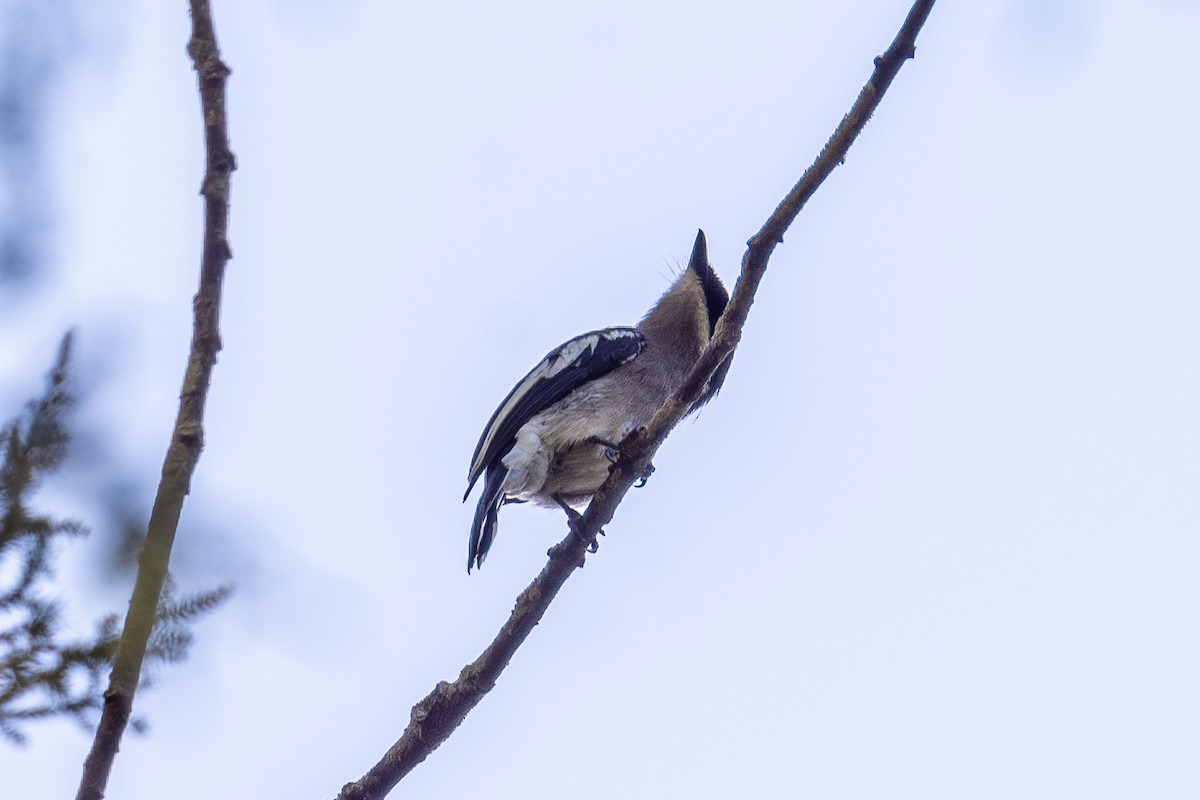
{"x": 645, "y": 476}
{"x": 594, "y": 545}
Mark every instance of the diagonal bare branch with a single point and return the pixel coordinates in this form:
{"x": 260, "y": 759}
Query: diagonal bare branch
{"x": 187, "y": 440}
{"x": 436, "y": 717}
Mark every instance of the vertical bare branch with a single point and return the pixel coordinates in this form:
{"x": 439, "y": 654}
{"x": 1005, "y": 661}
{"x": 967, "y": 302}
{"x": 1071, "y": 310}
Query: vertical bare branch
{"x": 187, "y": 440}
{"x": 436, "y": 717}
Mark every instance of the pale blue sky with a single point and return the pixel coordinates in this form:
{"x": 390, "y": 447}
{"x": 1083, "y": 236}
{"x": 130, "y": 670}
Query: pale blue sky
{"x": 937, "y": 537}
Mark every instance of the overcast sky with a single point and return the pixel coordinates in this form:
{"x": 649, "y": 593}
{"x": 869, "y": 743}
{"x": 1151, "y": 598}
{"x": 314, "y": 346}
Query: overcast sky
{"x": 937, "y": 536}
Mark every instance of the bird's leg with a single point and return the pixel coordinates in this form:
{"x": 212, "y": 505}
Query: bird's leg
{"x": 573, "y": 516}
{"x": 613, "y": 451}
{"x": 574, "y": 522}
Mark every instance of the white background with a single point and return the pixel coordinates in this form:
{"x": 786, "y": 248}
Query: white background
{"x": 936, "y": 538}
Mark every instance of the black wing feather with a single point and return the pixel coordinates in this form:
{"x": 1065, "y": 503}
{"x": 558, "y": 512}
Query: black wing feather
{"x": 483, "y": 529}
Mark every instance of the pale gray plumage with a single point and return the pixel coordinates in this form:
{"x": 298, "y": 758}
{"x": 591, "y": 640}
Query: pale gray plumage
{"x": 550, "y": 441}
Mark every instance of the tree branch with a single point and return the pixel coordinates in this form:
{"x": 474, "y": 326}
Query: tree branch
{"x": 187, "y": 440}
{"x": 435, "y": 718}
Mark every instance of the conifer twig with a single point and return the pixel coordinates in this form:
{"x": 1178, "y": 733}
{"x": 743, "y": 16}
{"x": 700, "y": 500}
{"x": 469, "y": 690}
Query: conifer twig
{"x": 436, "y": 717}
{"x": 187, "y": 440}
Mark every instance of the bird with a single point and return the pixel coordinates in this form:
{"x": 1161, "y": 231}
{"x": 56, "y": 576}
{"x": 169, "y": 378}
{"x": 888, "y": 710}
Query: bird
{"x": 554, "y": 438}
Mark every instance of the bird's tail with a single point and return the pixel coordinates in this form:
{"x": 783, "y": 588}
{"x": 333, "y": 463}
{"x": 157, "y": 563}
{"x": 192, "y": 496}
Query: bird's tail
{"x": 483, "y": 529}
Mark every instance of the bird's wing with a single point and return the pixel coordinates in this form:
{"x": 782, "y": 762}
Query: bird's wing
{"x": 563, "y": 370}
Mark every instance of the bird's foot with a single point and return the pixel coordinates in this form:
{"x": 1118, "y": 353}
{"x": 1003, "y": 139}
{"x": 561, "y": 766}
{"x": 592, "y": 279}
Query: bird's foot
{"x": 645, "y": 476}
{"x": 612, "y": 451}
{"x": 594, "y": 544}
{"x": 575, "y": 523}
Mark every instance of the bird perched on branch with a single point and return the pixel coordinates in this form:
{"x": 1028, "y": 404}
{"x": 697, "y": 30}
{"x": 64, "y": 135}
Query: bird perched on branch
{"x": 554, "y": 438}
